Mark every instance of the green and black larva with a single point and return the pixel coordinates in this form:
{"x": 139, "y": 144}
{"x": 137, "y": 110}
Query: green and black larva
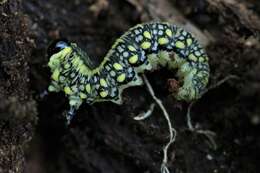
{"x": 143, "y": 48}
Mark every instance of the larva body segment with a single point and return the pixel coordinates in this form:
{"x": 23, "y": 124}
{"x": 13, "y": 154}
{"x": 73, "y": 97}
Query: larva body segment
{"x": 144, "y": 47}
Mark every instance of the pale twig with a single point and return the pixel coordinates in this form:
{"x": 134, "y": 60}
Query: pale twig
{"x": 172, "y": 131}
{"x": 209, "y": 134}
{"x": 146, "y": 114}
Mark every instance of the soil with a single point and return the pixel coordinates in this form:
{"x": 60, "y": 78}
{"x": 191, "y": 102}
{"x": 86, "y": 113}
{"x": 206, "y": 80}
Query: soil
{"x": 104, "y": 137}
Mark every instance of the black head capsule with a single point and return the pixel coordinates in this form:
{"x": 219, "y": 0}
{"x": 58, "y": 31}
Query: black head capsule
{"x": 57, "y": 46}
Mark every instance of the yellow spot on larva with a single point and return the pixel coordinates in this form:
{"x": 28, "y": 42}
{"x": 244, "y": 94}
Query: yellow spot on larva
{"x": 121, "y": 77}
{"x": 54, "y": 62}
{"x": 67, "y": 90}
{"x": 201, "y": 59}
{"x": 83, "y": 69}
{"x": 82, "y": 95}
{"x": 168, "y": 32}
{"x": 131, "y": 48}
{"x": 76, "y": 61}
{"x": 103, "y": 82}
{"x": 147, "y": 34}
{"x": 180, "y": 44}
{"x": 117, "y": 66}
{"x": 103, "y": 93}
{"x": 88, "y": 88}
{"x": 193, "y": 57}
{"x": 66, "y": 51}
{"x": 61, "y": 54}
{"x": 189, "y": 41}
{"x": 133, "y": 59}
{"x": 146, "y": 45}
{"x": 73, "y": 102}
{"x": 56, "y": 74}
{"x": 67, "y": 65}
{"x": 51, "y": 88}
{"x": 163, "y": 40}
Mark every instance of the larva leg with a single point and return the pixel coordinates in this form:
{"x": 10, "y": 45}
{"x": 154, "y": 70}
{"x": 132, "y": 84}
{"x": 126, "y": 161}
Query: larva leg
{"x": 70, "y": 114}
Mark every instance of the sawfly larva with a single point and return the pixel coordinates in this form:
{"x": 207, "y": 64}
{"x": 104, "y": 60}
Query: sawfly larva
{"x": 144, "y": 47}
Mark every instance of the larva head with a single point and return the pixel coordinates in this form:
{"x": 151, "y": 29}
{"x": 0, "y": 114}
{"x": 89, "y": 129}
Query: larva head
{"x": 70, "y": 71}
{"x": 57, "y": 46}
{"x": 57, "y": 51}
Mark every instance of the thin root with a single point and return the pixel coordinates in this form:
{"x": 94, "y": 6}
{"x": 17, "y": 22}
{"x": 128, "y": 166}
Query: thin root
{"x": 209, "y": 134}
{"x": 146, "y": 114}
{"x": 172, "y": 131}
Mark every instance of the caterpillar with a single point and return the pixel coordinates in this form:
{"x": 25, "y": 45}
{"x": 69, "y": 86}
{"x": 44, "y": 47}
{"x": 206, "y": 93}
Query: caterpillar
{"x": 145, "y": 47}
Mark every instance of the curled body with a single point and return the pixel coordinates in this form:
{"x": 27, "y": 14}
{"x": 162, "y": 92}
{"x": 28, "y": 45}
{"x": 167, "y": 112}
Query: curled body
{"x": 145, "y": 47}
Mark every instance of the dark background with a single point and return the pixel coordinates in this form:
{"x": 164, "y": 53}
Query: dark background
{"x": 104, "y": 138}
